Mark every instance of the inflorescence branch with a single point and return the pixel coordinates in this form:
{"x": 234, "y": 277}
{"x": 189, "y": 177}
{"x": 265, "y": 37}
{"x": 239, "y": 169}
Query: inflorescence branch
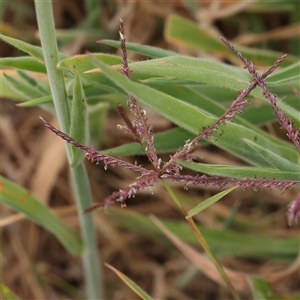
{"x": 285, "y": 122}
{"x": 171, "y": 169}
{"x": 141, "y": 132}
{"x": 222, "y": 182}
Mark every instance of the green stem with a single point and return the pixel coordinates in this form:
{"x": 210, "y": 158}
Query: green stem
{"x": 90, "y": 257}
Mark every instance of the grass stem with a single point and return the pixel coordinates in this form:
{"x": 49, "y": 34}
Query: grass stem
{"x": 90, "y": 257}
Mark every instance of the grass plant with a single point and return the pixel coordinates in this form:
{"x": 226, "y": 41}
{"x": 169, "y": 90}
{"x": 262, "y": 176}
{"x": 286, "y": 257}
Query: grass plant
{"x": 196, "y": 107}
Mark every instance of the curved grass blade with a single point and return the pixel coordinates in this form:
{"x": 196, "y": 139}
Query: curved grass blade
{"x": 20, "y": 199}
{"x": 210, "y": 201}
{"x": 139, "y": 291}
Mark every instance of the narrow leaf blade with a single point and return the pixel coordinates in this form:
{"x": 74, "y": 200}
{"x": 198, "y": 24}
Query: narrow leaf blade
{"x": 182, "y": 32}
{"x": 37, "y": 101}
{"x": 139, "y": 291}
{"x": 24, "y": 89}
{"x": 79, "y": 121}
{"x": 210, "y": 201}
{"x": 20, "y": 199}
{"x": 24, "y": 63}
{"x": 34, "y": 51}
{"x": 275, "y": 160}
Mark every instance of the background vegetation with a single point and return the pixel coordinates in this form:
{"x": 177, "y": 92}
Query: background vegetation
{"x": 247, "y": 230}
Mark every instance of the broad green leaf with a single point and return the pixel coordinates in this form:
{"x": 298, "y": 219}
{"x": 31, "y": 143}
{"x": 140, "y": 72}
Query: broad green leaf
{"x": 193, "y": 120}
{"x": 20, "y": 199}
{"x": 223, "y": 242}
{"x": 34, "y": 51}
{"x": 243, "y": 172}
{"x": 37, "y": 101}
{"x": 23, "y": 88}
{"x": 210, "y": 201}
{"x": 79, "y": 121}
{"x": 7, "y": 293}
{"x": 186, "y": 33}
{"x": 274, "y": 159}
{"x": 24, "y": 63}
{"x": 142, "y": 49}
{"x": 138, "y": 290}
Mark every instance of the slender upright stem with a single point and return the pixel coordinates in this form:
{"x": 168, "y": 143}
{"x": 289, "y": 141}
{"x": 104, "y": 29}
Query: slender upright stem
{"x": 90, "y": 257}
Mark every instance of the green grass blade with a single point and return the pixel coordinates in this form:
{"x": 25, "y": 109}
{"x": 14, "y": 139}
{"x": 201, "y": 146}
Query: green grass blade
{"x": 23, "y": 63}
{"x": 138, "y": 290}
{"x": 33, "y": 82}
{"x": 79, "y": 121}
{"x": 142, "y": 49}
{"x": 183, "y": 32}
{"x": 20, "y": 199}
{"x": 23, "y": 88}
{"x": 208, "y": 72}
{"x": 210, "y": 201}
{"x": 84, "y": 67}
{"x": 34, "y": 51}
{"x": 274, "y": 159}
{"x": 242, "y": 172}
{"x": 37, "y": 101}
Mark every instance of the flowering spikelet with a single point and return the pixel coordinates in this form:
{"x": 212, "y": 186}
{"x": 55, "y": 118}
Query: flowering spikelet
{"x": 141, "y": 132}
